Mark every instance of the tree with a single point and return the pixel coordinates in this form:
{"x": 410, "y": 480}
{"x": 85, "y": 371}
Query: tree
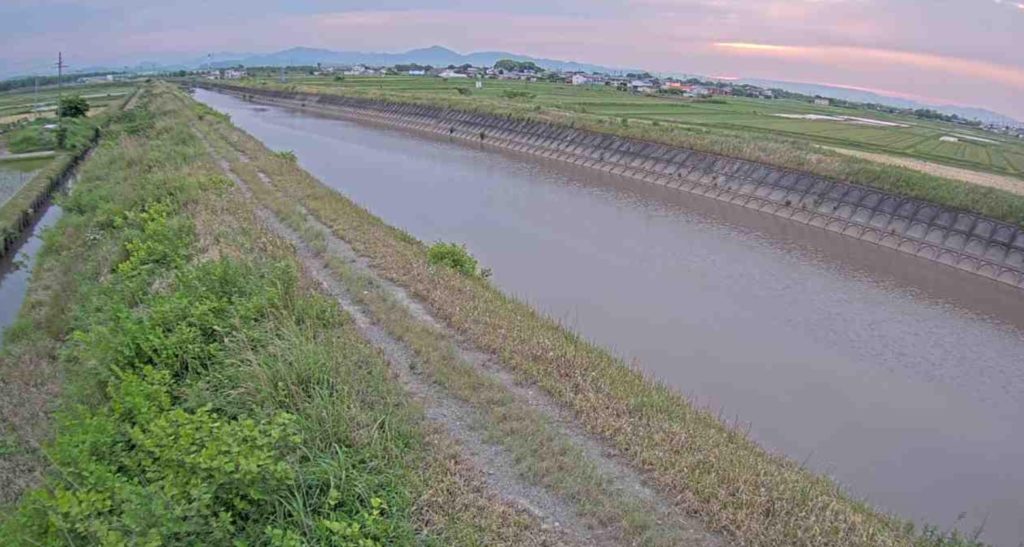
{"x": 73, "y": 107}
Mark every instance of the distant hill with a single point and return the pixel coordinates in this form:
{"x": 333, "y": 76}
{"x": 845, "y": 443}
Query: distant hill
{"x": 861, "y": 96}
{"x": 435, "y": 56}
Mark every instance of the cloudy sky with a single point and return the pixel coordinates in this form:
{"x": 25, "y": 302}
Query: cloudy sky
{"x": 968, "y": 52}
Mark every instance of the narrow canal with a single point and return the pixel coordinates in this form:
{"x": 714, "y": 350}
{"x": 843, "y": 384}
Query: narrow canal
{"x": 902, "y": 379}
{"x": 16, "y": 267}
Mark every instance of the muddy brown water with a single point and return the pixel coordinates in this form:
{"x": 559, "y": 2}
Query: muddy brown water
{"x": 900, "y": 378}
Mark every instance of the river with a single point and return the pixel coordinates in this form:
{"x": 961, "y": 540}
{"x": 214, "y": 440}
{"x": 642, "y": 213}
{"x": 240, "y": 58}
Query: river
{"x": 902, "y": 379}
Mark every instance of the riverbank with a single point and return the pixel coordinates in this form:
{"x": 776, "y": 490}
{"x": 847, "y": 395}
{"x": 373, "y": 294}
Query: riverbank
{"x": 201, "y": 388}
{"x": 974, "y": 244}
{"x": 776, "y": 149}
{"x": 686, "y": 453}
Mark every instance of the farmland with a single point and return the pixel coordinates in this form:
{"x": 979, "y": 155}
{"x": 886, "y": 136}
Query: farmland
{"x": 25, "y": 103}
{"x": 908, "y": 136}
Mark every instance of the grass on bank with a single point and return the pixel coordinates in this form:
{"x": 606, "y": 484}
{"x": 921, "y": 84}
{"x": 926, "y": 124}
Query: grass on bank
{"x": 540, "y": 452}
{"x": 907, "y": 136}
{"x": 734, "y": 485}
{"x": 778, "y": 148}
{"x": 207, "y": 395}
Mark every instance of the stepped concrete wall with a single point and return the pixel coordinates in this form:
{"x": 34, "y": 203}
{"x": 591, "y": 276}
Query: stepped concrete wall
{"x": 957, "y": 239}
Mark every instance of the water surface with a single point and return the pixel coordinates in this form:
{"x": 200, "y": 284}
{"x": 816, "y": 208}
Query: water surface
{"x": 900, "y": 378}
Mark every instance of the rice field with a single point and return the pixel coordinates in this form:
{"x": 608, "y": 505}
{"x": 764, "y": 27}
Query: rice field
{"x": 25, "y": 102}
{"x": 16, "y": 174}
{"x": 911, "y": 137}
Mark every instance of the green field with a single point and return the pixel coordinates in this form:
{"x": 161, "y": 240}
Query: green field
{"x": 14, "y": 104}
{"x": 919, "y": 139}
{"x": 15, "y": 174}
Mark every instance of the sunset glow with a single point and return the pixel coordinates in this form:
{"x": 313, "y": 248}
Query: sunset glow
{"x": 961, "y": 51}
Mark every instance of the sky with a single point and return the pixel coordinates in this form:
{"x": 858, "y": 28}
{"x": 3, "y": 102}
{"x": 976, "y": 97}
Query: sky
{"x": 964, "y": 52}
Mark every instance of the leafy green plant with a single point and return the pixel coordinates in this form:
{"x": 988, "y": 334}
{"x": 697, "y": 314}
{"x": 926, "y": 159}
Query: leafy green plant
{"x": 287, "y": 155}
{"x": 73, "y": 106}
{"x": 454, "y": 256}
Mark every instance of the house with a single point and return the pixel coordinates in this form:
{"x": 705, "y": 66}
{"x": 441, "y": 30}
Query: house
{"x": 357, "y": 70}
{"x": 417, "y": 72}
{"x": 822, "y": 101}
{"x": 641, "y": 86}
{"x": 579, "y": 79}
{"x": 449, "y": 73}
{"x": 233, "y": 74}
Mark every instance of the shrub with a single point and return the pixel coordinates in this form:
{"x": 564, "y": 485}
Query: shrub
{"x": 454, "y": 256}
{"x": 464, "y": 91}
{"x": 73, "y": 107}
{"x": 287, "y": 155}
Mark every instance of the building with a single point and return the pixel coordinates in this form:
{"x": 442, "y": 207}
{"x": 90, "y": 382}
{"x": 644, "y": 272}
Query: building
{"x": 449, "y": 73}
{"x": 233, "y": 74}
{"x": 419, "y": 72}
{"x": 579, "y": 79}
{"x": 357, "y": 70}
{"x": 641, "y": 86}
{"x": 822, "y": 101}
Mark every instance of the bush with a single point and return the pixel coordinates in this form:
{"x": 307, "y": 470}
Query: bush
{"x": 454, "y": 256}
{"x": 287, "y": 155}
{"x": 73, "y": 107}
{"x": 464, "y": 91}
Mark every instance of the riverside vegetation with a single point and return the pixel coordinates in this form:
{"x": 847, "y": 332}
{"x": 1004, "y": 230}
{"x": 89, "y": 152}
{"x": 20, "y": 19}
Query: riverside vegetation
{"x": 207, "y": 394}
{"x": 720, "y": 474}
{"x": 206, "y": 389}
{"x": 740, "y": 128}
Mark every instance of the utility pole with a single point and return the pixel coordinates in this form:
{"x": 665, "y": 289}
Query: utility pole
{"x": 60, "y": 85}
{"x": 60, "y": 95}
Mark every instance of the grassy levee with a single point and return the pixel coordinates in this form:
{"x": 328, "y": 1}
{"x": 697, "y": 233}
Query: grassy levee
{"x": 721, "y": 475}
{"x": 768, "y": 148}
{"x": 18, "y": 211}
{"x": 202, "y": 391}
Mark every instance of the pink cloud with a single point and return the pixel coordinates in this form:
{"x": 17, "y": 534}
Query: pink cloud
{"x": 1006, "y": 75}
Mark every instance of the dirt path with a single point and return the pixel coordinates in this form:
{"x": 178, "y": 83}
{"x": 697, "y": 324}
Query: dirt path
{"x": 557, "y": 505}
{"x": 1003, "y": 182}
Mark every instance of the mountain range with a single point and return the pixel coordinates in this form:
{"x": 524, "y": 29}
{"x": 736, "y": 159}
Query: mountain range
{"x": 434, "y": 56}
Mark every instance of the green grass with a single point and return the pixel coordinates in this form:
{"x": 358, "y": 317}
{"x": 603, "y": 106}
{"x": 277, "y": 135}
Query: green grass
{"x": 99, "y": 95}
{"x": 792, "y": 144}
{"x": 716, "y": 471}
{"x": 725, "y": 115}
{"x": 206, "y": 394}
{"x": 541, "y": 453}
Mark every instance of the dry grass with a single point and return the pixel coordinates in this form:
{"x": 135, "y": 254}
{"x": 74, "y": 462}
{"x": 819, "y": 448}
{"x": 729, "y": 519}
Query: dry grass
{"x": 449, "y": 505}
{"x": 543, "y": 455}
{"x": 737, "y": 487}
